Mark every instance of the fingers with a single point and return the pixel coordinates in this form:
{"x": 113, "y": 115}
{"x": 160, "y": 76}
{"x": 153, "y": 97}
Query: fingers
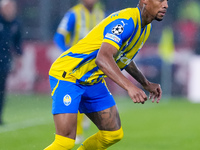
{"x": 154, "y": 98}
{"x": 159, "y": 95}
{"x": 156, "y": 95}
{"x": 151, "y": 96}
{"x": 139, "y": 98}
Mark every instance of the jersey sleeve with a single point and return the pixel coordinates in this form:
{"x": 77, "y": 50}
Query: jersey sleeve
{"x": 59, "y": 40}
{"x": 67, "y": 24}
{"x": 65, "y": 30}
{"x": 118, "y": 31}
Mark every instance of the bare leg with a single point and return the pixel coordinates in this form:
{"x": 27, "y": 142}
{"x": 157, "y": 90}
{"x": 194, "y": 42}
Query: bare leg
{"x": 107, "y": 119}
{"x": 66, "y": 125}
{"x": 110, "y": 131}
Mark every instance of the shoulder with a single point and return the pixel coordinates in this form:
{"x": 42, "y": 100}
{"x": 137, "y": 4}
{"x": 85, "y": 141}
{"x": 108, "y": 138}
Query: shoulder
{"x": 131, "y": 15}
{"x": 69, "y": 16}
{"x": 72, "y": 12}
{"x": 122, "y": 19}
{"x": 126, "y": 24}
{"x": 119, "y": 30}
{"x": 16, "y": 23}
{"x": 77, "y": 7}
{"x": 126, "y": 13}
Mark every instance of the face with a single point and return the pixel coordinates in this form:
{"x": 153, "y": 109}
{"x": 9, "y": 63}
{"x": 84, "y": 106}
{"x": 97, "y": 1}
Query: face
{"x": 157, "y": 8}
{"x": 9, "y": 10}
{"x": 89, "y": 3}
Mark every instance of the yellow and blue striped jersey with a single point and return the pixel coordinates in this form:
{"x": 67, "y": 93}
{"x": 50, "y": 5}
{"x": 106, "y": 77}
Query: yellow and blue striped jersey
{"x": 76, "y": 24}
{"x": 121, "y": 29}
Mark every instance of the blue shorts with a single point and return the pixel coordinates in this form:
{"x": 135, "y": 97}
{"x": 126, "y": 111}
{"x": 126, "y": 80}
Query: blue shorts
{"x": 70, "y": 97}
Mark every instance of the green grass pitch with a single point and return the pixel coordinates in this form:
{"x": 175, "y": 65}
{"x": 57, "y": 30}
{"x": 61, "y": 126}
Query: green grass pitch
{"x": 172, "y": 124}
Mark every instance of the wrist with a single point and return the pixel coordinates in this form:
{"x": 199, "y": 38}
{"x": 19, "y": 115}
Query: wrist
{"x": 146, "y": 83}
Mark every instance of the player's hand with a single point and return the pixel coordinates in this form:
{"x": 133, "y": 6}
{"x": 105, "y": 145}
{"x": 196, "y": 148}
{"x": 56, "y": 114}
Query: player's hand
{"x": 137, "y": 95}
{"x": 155, "y": 91}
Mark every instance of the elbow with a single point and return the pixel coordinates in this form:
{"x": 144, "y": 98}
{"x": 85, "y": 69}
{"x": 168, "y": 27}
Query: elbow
{"x": 99, "y": 62}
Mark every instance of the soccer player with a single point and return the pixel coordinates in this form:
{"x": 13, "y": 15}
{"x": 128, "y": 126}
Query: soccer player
{"x": 75, "y": 25}
{"x": 77, "y": 76}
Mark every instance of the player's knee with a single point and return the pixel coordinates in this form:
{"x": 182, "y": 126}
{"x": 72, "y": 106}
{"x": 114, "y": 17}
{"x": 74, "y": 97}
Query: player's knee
{"x": 112, "y": 137}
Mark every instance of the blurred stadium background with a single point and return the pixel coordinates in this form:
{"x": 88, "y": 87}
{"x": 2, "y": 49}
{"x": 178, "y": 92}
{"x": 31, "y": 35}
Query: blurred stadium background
{"x": 171, "y": 57}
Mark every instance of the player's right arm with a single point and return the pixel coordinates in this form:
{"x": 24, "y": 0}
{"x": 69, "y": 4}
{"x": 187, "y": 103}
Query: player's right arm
{"x": 105, "y": 61}
{"x": 64, "y": 31}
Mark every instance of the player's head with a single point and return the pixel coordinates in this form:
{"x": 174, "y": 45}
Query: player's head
{"x": 89, "y": 3}
{"x": 155, "y": 9}
{"x": 8, "y": 9}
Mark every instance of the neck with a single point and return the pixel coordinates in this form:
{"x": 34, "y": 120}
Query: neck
{"x": 146, "y": 19}
{"x": 7, "y": 18}
{"x": 89, "y": 8}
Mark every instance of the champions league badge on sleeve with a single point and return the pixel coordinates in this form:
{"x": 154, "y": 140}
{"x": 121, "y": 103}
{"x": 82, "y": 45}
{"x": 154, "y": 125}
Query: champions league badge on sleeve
{"x": 67, "y": 100}
{"x": 118, "y": 29}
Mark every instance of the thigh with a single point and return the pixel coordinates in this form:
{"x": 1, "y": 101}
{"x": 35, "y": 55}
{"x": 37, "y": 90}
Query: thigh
{"x": 66, "y": 124}
{"x": 66, "y": 98}
{"x": 107, "y": 119}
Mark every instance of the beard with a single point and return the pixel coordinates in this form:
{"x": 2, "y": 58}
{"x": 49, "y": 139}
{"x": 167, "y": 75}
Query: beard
{"x": 158, "y": 19}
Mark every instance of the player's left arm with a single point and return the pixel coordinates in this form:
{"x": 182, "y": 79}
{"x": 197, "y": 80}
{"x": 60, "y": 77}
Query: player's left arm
{"x": 64, "y": 31}
{"x": 153, "y": 88}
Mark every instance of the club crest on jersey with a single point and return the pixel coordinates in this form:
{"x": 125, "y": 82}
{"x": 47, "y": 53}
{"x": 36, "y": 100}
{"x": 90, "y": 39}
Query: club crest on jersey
{"x": 118, "y": 29}
{"x": 67, "y": 100}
